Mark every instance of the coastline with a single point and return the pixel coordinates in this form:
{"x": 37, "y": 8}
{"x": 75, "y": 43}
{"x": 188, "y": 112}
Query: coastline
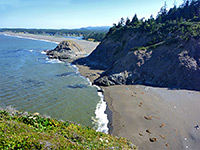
{"x": 140, "y": 113}
{"x": 86, "y": 46}
{"x": 101, "y": 119}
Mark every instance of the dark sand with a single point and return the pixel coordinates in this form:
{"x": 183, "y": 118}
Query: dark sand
{"x": 143, "y": 112}
{"x": 152, "y": 118}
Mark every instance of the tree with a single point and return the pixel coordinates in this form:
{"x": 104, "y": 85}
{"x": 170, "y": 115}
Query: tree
{"x": 152, "y": 23}
{"x": 163, "y": 10}
{"x": 114, "y": 25}
{"x": 151, "y": 17}
{"x": 135, "y": 20}
{"x": 122, "y": 21}
{"x": 128, "y": 21}
{"x": 159, "y": 19}
{"x": 175, "y": 3}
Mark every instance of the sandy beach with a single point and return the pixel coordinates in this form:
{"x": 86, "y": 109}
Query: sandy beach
{"x": 152, "y": 118}
{"x": 143, "y": 114}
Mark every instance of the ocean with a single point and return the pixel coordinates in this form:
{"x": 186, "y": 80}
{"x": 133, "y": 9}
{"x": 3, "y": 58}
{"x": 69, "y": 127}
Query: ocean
{"x": 29, "y": 81}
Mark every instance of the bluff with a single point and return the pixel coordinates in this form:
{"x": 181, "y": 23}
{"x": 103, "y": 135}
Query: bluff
{"x": 164, "y": 52}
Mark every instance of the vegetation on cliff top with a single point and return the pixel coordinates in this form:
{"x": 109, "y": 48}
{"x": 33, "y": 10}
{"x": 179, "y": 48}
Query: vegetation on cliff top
{"x": 31, "y": 131}
{"x": 180, "y": 23}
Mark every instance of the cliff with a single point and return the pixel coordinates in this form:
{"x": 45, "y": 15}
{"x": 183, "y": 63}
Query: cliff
{"x": 150, "y": 53}
{"x": 175, "y": 66}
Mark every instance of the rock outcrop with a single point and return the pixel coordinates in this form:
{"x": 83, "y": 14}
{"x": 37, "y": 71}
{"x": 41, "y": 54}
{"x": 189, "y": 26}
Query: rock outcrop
{"x": 167, "y": 64}
{"x": 64, "y": 50}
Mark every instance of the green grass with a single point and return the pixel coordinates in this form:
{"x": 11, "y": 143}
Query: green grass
{"x": 28, "y": 131}
{"x": 147, "y": 47}
{"x": 138, "y": 48}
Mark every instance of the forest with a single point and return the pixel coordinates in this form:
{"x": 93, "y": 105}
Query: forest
{"x": 182, "y": 21}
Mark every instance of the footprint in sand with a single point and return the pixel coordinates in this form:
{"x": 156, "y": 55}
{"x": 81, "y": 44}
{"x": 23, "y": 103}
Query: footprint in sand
{"x": 140, "y": 134}
{"x": 148, "y": 118}
{"x": 148, "y": 131}
{"x": 140, "y": 104}
{"x": 153, "y": 139}
{"x": 163, "y": 137}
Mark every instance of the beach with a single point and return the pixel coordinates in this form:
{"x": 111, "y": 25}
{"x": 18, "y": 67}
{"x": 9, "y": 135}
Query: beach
{"x": 152, "y": 118}
{"x": 142, "y": 113}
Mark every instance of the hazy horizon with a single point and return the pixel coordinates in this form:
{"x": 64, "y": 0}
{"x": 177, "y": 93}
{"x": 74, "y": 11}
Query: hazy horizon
{"x": 55, "y": 28}
{"x": 73, "y": 14}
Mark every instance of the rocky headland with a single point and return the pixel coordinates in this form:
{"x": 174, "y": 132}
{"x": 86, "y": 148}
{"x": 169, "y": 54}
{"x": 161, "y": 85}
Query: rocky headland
{"x": 152, "y": 52}
{"x": 173, "y": 65}
{"x": 65, "y": 50}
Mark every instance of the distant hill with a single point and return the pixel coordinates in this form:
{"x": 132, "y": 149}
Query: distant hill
{"x": 164, "y": 51}
{"x": 88, "y": 33}
{"x": 98, "y": 28}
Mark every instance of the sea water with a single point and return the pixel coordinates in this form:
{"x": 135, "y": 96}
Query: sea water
{"x": 29, "y": 81}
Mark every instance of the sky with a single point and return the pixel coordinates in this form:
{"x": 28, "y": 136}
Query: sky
{"x": 70, "y": 14}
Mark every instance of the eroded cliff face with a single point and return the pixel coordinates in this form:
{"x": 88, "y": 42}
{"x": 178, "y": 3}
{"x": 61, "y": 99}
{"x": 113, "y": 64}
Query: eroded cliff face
{"x": 111, "y": 49}
{"x": 167, "y": 64}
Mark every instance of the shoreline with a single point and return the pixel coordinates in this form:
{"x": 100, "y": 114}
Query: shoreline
{"x": 104, "y": 120}
{"x": 103, "y": 124}
{"x": 86, "y": 46}
{"x": 91, "y": 75}
{"x": 142, "y": 113}
{"x": 26, "y": 37}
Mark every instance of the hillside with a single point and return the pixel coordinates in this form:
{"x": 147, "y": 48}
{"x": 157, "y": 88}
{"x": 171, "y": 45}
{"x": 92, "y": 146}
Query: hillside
{"x": 162, "y": 52}
{"x": 21, "y": 130}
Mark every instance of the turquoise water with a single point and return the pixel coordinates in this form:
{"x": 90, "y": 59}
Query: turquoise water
{"x": 31, "y": 82}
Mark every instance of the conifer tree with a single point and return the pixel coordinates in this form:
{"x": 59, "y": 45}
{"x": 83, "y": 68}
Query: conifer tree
{"x": 128, "y": 22}
{"x": 135, "y": 20}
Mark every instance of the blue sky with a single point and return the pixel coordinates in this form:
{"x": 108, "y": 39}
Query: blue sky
{"x": 60, "y": 14}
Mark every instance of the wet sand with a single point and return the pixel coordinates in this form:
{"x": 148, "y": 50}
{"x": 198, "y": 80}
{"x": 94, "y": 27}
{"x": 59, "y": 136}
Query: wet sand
{"x": 152, "y": 118}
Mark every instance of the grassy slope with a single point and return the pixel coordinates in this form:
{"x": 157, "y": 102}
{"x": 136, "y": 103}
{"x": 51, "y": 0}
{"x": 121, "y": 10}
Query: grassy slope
{"x": 30, "y": 131}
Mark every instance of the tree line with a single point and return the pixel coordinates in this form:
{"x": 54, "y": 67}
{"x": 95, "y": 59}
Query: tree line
{"x": 96, "y": 34}
{"x": 184, "y": 19}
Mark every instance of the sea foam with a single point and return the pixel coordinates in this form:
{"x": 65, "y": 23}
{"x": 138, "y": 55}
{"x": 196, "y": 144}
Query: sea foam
{"x": 102, "y": 119}
{"x": 53, "y": 61}
{"x": 43, "y": 52}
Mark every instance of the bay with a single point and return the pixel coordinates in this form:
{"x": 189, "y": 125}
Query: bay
{"x": 31, "y": 82}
